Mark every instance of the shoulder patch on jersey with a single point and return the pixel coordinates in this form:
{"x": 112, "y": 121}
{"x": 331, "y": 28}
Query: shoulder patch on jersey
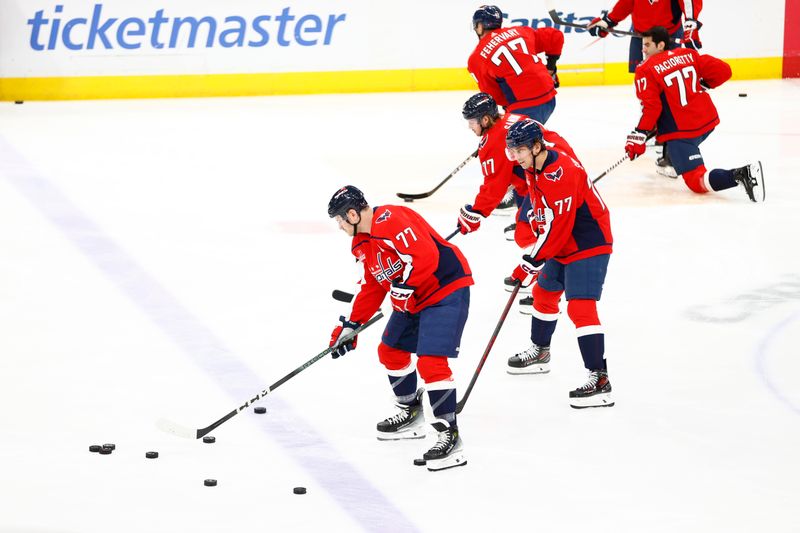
{"x": 555, "y": 175}
{"x": 383, "y": 217}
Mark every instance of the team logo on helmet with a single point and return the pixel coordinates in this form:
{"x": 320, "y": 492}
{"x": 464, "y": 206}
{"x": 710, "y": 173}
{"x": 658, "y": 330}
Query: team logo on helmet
{"x": 384, "y": 217}
{"x": 554, "y": 176}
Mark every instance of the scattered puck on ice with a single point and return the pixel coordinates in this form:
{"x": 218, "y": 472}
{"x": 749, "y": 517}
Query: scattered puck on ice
{"x": 18, "y": 101}
{"x": 742, "y": 95}
{"x": 260, "y": 410}
{"x": 111, "y": 447}
{"x": 420, "y": 462}
{"x": 210, "y": 483}
{"x": 408, "y": 200}
{"x": 105, "y": 451}
{"x": 209, "y": 439}
{"x": 299, "y": 490}
{"x": 151, "y": 455}
{"x": 95, "y": 448}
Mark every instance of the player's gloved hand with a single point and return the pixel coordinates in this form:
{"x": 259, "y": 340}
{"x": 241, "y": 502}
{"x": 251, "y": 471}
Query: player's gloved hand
{"x": 556, "y": 83}
{"x": 468, "y": 220}
{"x": 340, "y": 332}
{"x": 527, "y": 271}
{"x": 552, "y": 69}
{"x": 599, "y": 26}
{"x": 400, "y": 294}
{"x": 691, "y": 35}
{"x": 635, "y": 145}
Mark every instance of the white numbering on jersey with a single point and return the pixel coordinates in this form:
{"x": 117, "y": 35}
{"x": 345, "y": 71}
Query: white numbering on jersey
{"x": 561, "y": 204}
{"x": 504, "y": 53}
{"x": 679, "y": 78}
{"x": 488, "y": 167}
{"x": 401, "y": 237}
{"x": 641, "y": 84}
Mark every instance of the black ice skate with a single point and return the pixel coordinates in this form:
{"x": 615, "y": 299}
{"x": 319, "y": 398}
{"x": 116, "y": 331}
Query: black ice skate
{"x": 526, "y": 305}
{"x": 509, "y": 283}
{"x": 752, "y": 178}
{"x": 594, "y": 393}
{"x": 534, "y": 360}
{"x": 408, "y": 423}
{"x": 664, "y": 167}
{"x": 448, "y": 451}
{"x": 507, "y": 205}
{"x": 508, "y": 231}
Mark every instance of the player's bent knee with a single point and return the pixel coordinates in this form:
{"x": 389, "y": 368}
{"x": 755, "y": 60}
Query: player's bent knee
{"x": 393, "y": 358}
{"x": 696, "y": 179}
{"x": 545, "y": 301}
{"x": 433, "y": 368}
{"x": 583, "y": 313}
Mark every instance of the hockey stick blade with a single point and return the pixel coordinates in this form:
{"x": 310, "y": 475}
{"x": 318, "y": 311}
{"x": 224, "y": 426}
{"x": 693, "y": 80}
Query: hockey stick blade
{"x": 341, "y": 296}
{"x": 421, "y": 195}
{"x": 561, "y": 22}
{"x": 185, "y": 432}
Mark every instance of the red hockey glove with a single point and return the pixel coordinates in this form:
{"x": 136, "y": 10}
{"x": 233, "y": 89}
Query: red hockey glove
{"x": 527, "y": 271}
{"x": 635, "y": 146}
{"x": 468, "y": 220}
{"x": 599, "y": 26}
{"x": 401, "y": 295}
{"x": 340, "y": 332}
{"x": 691, "y": 35}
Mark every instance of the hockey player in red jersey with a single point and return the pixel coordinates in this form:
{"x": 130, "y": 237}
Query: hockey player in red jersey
{"x": 679, "y": 17}
{"x": 507, "y": 66}
{"x": 428, "y": 282}
{"x": 672, "y": 86}
{"x": 570, "y": 257}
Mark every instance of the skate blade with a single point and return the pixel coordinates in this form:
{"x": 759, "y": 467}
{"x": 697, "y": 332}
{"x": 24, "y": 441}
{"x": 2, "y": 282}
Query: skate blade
{"x": 416, "y": 433}
{"x": 522, "y": 290}
{"x": 758, "y": 173}
{"x": 667, "y": 172}
{"x": 598, "y": 400}
{"x": 452, "y": 461}
{"x": 533, "y": 369}
{"x": 526, "y": 310}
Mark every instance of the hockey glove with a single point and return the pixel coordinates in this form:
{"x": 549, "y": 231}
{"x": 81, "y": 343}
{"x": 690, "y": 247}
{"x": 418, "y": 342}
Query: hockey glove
{"x": 468, "y": 220}
{"x": 635, "y": 145}
{"x": 691, "y": 37}
{"x": 340, "y": 332}
{"x": 527, "y": 271}
{"x": 401, "y": 295}
{"x": 599, "y": 26}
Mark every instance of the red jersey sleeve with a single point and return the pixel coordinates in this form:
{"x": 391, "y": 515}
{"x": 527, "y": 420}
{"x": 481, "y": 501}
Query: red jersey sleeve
{"x": 714, "y": 72}
{"x": 486, "y": 83}
{"x": 621, "y": 9}
{"x": 648, "y": 91}
{"x": 548, "y": 40}
{"x": 497, "y": 171}
{"x": 371, "y": 293}
{"x": 692, "y": 8}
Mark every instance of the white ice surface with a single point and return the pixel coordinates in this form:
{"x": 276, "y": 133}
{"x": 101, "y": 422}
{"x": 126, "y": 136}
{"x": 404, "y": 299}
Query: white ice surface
{"x": 173, "y": 257}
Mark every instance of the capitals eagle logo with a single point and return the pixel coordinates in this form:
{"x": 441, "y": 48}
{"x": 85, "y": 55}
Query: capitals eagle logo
{"x": 556, "y": 175}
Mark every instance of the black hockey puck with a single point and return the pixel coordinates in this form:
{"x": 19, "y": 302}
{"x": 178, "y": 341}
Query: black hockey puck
{"x": 151, "y": 455}
{"x": 420, "y": 462}
{"x": 299, "y": 490}
{"x": 742, "y": 95}
{"x": 111, "y": 447}
{"x": 259, "y": 410}
{"x": 18, "y": 101}
{"x": 210, "y": 482}
{"x": 105, "y": 451}
{"x": 409, "y": 200}
{"x": 95, "y": 448}
{"x": 209, "y": 439}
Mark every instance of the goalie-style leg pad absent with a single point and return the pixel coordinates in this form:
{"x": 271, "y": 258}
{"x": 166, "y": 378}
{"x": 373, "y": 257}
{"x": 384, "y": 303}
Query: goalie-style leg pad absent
{"x": 448, "y": 452}
{"x": 591, "y": 339}
{"x": 408, "y": 422}
{"x": 752, "y": 178}
{"x": 596, "y": 392}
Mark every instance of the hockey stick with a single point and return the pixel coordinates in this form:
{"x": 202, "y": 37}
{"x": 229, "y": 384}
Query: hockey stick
{"x": 556, "y": 16}
{"x": 346, "y": 297}
{"x": 650, "y": 135}
{"x": 183, "y": 431}
{"x": 418, "y": 196}
{"x": 460, "y": 404}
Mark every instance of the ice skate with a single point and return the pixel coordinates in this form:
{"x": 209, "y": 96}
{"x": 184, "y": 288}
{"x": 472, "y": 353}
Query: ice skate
{"x": 448, "y": 452}
{"x": 526, "y": 305}
{"x": 664, "y": 168}
{"x": 509, "y": 283}
{"x": 534, "y": 360}
{"x": 596, "y": 392}
{"x": 507, "y": 205}
{"x": 752, "y": 179}
{"x": 509, "y": 230}
{"x": 407, "y": 423}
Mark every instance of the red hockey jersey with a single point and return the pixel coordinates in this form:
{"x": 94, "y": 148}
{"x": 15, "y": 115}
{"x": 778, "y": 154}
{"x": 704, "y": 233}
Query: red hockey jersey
{"x": 499, "y": 171}
{"x": 403, "y": 246}
{"x": 506, "y": 66}
{"x": 648, "y": 13}
{"x": 670, "y": 86}
{"x": 569, "y": 216}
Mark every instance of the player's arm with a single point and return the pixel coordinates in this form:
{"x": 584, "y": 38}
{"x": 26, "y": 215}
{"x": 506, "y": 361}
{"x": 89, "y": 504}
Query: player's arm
{"x": 713, "y": 72}
{"x": 369, "y": 297}
{"x": 621, "y": 10}
{"x": 497, "y": 176}
{"x": 691, "y": 24}
{"x": 548, "y": 40}
{"x": 559, "y": 205}
{"x": 413, "y": 245}
{"x": 486, "y": 83}
{"x": 648, "y": 91}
